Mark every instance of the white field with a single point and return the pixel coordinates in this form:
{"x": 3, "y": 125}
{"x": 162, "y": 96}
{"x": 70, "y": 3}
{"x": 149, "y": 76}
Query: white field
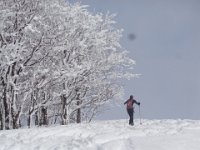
{"x": 107, "y": 135}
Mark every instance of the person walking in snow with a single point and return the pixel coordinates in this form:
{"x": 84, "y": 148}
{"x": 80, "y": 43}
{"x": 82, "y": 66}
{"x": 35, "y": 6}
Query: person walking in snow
{"x": 130, "y": 108}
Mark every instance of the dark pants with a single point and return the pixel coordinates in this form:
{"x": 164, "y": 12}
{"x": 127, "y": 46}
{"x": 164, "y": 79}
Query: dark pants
{"x": 130, "y": 113}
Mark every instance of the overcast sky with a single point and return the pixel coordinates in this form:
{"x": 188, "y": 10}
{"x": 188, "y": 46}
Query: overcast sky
{"x": 166, "y": 49}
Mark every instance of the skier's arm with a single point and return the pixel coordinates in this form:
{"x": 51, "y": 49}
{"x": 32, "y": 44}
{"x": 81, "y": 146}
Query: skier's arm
{"x": 138, "y": 103}
{"x": 125, "y": 102}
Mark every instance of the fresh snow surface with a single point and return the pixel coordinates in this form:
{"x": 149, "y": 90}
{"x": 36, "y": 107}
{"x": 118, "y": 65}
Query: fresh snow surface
{"x": 107, "y": 135}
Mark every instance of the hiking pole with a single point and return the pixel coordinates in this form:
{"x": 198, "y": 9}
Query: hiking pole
{"x": 140, "y": 115}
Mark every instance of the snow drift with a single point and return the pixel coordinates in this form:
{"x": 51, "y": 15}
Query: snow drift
{"x": 107, "y": 135}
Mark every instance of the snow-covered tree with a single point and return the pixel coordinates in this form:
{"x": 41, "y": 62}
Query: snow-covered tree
{"x": 58, "y": 61}
{"x": 18, "y": 50}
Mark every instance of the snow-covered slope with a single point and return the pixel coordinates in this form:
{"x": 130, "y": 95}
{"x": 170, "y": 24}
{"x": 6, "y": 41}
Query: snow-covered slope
{"x": 107, "y": 135}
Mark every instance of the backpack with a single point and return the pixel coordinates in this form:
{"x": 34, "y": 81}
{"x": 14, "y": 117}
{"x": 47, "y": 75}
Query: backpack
{"x": 130, "y": 103}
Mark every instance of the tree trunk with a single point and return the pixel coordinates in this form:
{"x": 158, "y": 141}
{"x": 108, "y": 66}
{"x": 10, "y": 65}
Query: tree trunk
{"x": 63, "y": 105}
{"x": 78, "y": 115}
{"x": 29, "y": 119}
{"x": 78, "y": 119}
{"x": 16, "y": 121}
{"x": 6, "y": 109}
{"x": 1, "y": 119}
{"x": 64, "y": 111}
{"x": 45, "y": 120}
{"x": 36, "y": 119}
{"x": 43, "y": 117}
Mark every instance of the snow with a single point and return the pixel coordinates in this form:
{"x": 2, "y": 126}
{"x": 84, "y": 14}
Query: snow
{"x": 107, "y": 135}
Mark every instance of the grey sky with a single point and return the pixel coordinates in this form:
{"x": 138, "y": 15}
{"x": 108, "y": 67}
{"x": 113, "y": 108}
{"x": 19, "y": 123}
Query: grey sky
{"x": 167, "y": 53}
